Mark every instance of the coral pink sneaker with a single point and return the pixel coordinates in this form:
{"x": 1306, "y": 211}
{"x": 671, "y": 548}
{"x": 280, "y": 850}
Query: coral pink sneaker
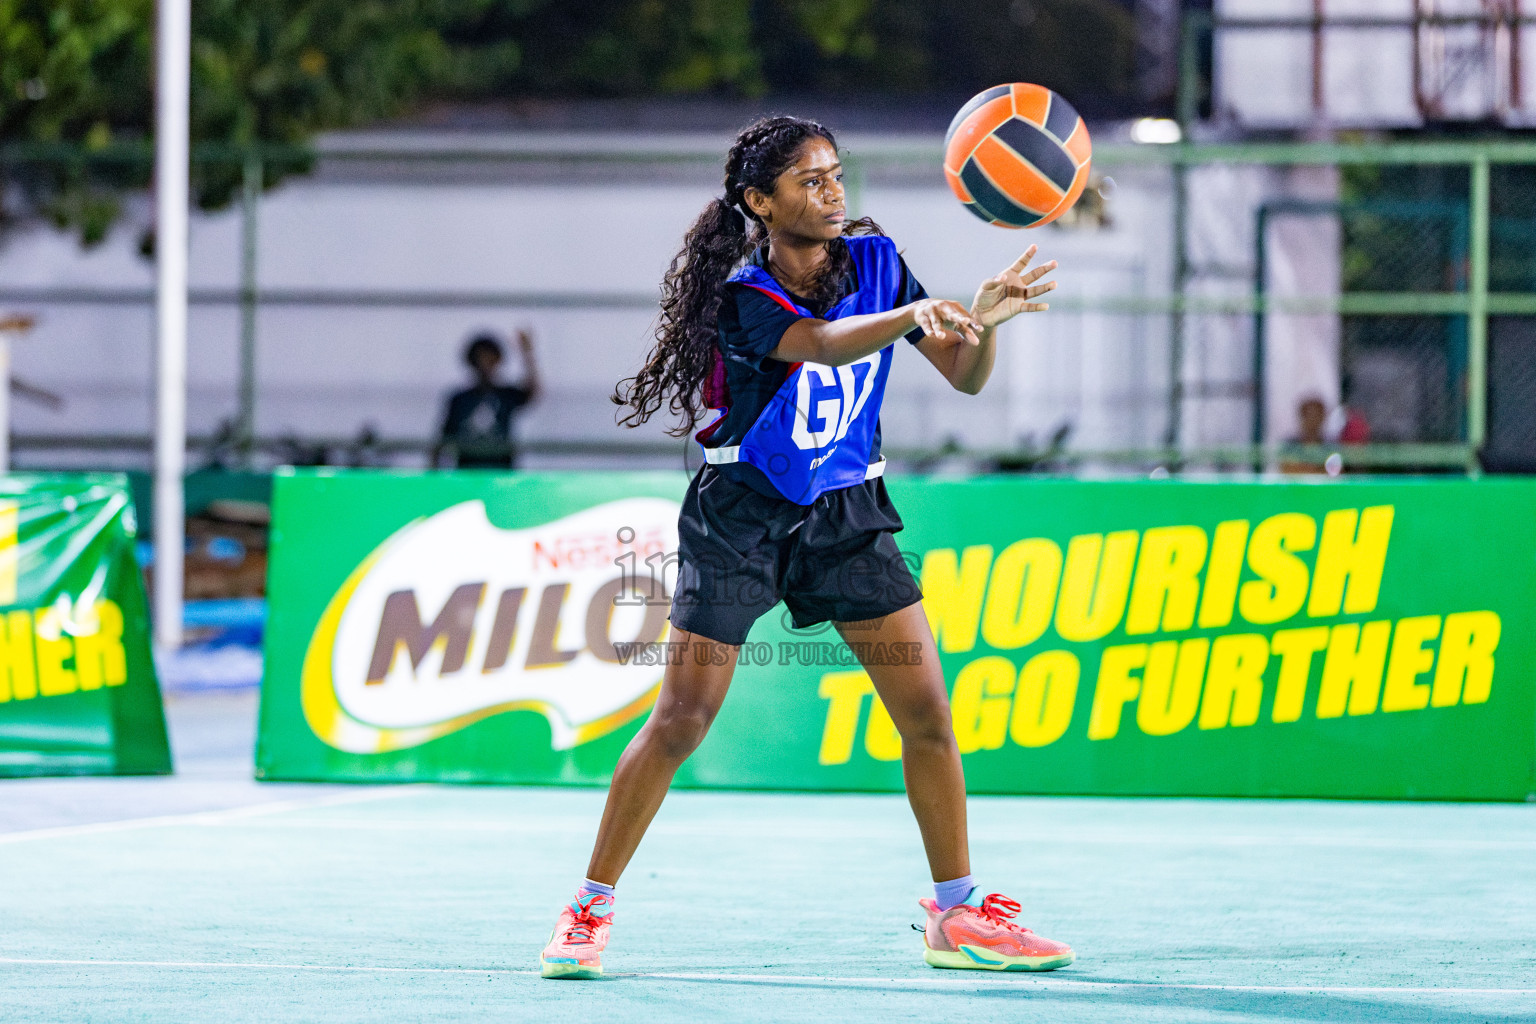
{"x": 575, "y": 947}
{"x": 978, "y": 936}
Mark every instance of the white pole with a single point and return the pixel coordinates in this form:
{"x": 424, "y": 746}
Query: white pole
{"x": 173, "y": 71}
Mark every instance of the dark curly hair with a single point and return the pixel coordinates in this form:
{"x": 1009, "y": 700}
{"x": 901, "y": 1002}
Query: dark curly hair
{"x": 685, "y": 357}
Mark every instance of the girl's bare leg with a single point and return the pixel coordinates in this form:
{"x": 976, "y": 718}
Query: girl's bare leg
{"x": 691, "y": 695}
{"x": 915, "y": 695}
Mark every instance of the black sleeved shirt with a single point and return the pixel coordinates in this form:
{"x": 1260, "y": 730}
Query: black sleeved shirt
{"x": 477, "y": 424}
{"x": 750, "y": 326}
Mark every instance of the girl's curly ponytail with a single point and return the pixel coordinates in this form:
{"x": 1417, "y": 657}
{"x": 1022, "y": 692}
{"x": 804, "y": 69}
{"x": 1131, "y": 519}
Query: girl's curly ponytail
{"x": 724, "y": 234}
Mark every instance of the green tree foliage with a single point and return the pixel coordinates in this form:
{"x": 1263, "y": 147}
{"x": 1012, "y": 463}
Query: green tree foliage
{"x": 81, "y": 71}
{"x": 277, "y": 71}
{"x": 71, "y": 71}
{"x": 1084, "y": 49}
{"x": 617, "y": 48}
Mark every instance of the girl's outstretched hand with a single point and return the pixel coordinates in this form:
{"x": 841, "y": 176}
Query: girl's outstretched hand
{"x": 935, "y": 316}
{"x": 1001, "y": 298}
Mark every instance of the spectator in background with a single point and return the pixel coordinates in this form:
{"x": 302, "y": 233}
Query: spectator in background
{"x": 478, "y": 424}
{"x": 1318, "y": 427}
{"x": 1311, "y": 415}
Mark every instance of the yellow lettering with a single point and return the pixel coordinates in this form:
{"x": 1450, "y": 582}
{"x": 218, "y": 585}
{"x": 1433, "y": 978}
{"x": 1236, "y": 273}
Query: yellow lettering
{"x": 18, "y": 677}
{"x": 1022, "y": 593}
{"x": 1170, "y": 686}
{"x": 952, "y": 593}
{"x": 980, "y": 702}
{"x": 1408, "y": 661}
{"x": 845, "y": 692}
{"x": 1095, "y": 584}
{"x": 1352, "y": 669}
{"x": 1295, "y": 648}
{"x": 53, "y": 649}
{"x": 1167, "y": 583}
{"x": 881, "y": 740}
{"x": 1343, "y": 554}
{"x": 9, "y": 550}
{"x": 1116, "y": 685}
{"x": 1466, "y": 653}
{"x": 1221, "y": 576}
{"x": 1044, "y": 699}
{"x": 99, "y": 654}
{"x": 1281, "y": 588}
{"x": 1234, "y": 685}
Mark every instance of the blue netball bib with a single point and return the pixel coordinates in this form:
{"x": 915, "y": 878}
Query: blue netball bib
{"x": 817, "y": 432}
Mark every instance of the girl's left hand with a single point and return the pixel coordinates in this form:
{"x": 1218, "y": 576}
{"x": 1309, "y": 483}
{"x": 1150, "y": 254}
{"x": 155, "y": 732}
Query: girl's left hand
{"x": 1001, "y": 298}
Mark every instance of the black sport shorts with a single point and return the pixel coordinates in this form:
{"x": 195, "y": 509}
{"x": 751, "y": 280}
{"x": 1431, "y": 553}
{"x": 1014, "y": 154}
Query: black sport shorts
{"x": 741, "y": 552}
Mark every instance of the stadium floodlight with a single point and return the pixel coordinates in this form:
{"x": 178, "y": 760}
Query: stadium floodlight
{"x": 172, "y": 158}
{"x": 1157, "y": 131}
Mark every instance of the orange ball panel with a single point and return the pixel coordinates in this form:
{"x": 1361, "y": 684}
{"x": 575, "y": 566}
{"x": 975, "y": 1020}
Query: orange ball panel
{"x": 977, "y": 127}
{"x": 1031, "y": 101}
{"x": 958, "y": 187}
{"x": 1015, "y": 178}
{"x": 1077, "y": 144}
{"x": 1079, "y": 182}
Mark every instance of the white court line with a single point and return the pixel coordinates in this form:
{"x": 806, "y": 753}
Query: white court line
{"x": 1015, "y": 978}
{"x": 215, "y": 817}
{"x": 237, "y": 964}
{"x": 807, "y": 830}
{"x": 970, "y": 981}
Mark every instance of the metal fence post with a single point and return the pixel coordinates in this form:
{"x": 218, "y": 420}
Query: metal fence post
{"x": 1260, "y": 287}
{"x": 1477, "y": 312}
{"x": 1173, "y": 438}
{"x": 1187, "y": 110}
{"x": 853, "y": 185}
{"x": 250, "y": 195}
{"x": 1187, "y": 97}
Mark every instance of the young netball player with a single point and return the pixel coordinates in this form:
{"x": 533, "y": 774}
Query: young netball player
{"x": 783, "y": 315}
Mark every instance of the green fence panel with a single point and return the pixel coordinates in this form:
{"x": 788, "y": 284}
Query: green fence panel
{"x": 78, "y": 694}
{"x": 1356, "y": 638}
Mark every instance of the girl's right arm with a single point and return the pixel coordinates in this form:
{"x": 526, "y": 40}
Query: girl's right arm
{"x": 837, "y": 342}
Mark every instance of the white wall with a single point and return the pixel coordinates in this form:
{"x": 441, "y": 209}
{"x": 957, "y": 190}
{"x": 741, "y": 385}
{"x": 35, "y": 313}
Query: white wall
{"x": 329, "y": 370}
{"x": 1264, "y": 76}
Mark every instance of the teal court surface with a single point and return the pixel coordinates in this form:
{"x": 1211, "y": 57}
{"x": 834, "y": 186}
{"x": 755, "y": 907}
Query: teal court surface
{"x": 208, "y": 897}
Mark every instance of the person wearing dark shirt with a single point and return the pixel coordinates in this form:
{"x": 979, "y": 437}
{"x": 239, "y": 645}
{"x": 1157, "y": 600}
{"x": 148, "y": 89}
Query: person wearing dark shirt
{"x": 477, "y": 428}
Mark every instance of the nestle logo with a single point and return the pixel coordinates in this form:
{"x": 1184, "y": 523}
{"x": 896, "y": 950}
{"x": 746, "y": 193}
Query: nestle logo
{"x": 594, "y": 550}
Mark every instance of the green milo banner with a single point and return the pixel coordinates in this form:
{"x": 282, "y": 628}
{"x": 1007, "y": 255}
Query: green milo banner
{"x": 77, "y": 684}
{"x": 1354, "y": 638}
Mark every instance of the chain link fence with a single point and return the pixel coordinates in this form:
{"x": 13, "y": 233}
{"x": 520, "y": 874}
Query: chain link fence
{"x": 1222, "y": 307}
